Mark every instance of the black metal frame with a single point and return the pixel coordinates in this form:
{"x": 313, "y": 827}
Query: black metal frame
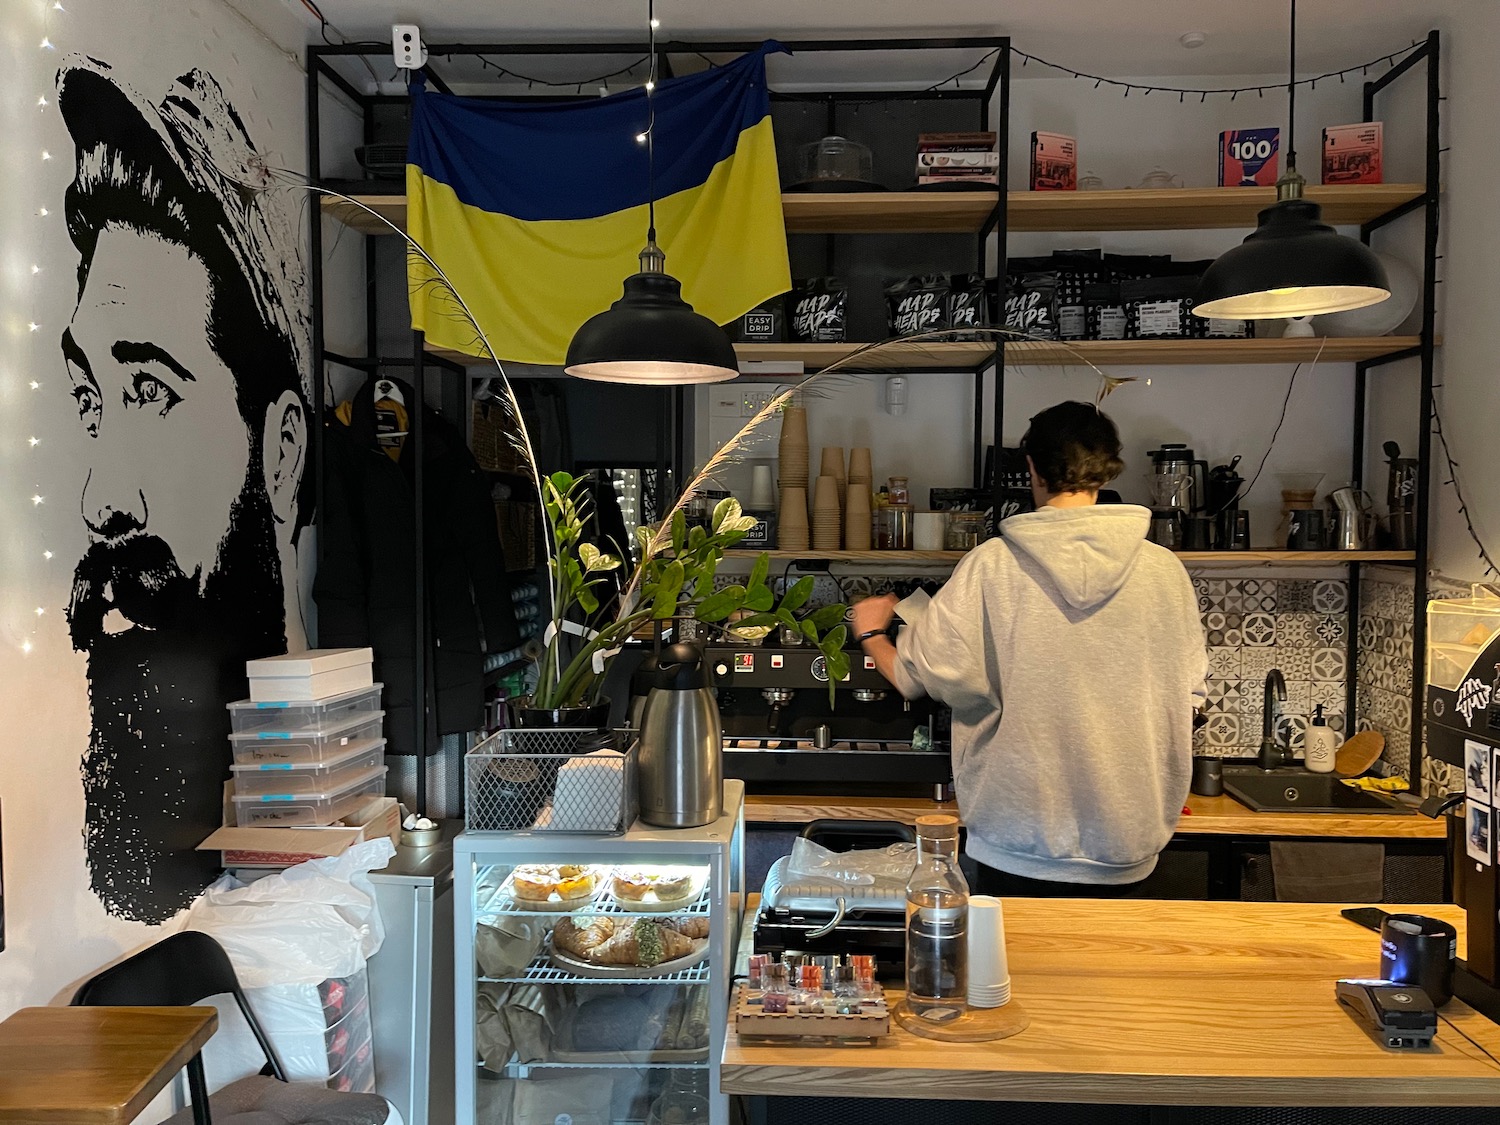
{"x": 671, "y": 446}
{"x": 1428, "y": 202}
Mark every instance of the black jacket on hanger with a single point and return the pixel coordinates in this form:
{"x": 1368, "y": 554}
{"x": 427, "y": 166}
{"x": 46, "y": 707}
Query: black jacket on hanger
{"x": 365, "y": 588}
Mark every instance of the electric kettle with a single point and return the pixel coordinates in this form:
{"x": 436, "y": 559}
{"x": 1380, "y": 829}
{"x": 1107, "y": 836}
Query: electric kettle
{"x": 1184, "y": 479}
{"x": 680, "y": 758}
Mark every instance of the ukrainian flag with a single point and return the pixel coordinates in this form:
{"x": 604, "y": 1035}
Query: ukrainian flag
{"x": 536, "y": 210}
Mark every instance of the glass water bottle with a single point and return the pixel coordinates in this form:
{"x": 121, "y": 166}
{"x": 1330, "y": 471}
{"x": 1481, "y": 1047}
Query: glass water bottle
{"x": 937, "y": 924}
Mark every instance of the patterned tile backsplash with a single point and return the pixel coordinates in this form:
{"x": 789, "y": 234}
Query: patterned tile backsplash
{"x": 1253, "y": 625}
{"x": 1385, "y": 665}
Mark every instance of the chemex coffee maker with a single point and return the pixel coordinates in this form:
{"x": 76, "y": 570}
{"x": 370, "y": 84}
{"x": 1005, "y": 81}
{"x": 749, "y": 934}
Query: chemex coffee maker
{"x": 781, "y": 730}
{"x": 1463, "y": 729}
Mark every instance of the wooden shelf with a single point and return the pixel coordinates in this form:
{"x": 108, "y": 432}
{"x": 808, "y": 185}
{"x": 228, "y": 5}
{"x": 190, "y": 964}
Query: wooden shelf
{"x": 1081, "y": 353}
{"x": 888, "y": 212}
{"x": 898, "y": 558}
{"x": 1189, "y": 558}
{"x": 1193, "y": 208}
{"x": 920, "y": 212}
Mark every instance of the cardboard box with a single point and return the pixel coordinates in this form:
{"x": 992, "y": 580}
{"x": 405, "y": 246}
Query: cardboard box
{"x": 1054, "y": 162}
{"x": 1352, "y": 153}
{"x": 285, "y": 847}
{"x": 1249, "y": 157}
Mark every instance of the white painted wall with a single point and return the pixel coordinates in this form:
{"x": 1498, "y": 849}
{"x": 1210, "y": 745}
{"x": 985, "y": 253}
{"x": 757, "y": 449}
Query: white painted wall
{"x": 56, "y": 930}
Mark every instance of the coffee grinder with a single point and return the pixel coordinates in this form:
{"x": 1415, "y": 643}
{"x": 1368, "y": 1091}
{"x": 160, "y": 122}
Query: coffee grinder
{"x": 1178, "y": 484}
{"x": 1223, "y": 506}
{"x": 1401, "y": 498}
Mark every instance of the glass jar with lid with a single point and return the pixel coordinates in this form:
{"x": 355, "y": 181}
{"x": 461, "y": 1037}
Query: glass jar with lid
{"x": 965, "y": 531}
{"x": 899, "y": 491}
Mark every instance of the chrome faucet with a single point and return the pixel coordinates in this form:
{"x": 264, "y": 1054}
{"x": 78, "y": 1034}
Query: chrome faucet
{"x": 1272, "y": 754}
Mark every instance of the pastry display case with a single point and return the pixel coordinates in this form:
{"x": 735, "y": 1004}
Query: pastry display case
{"x": 592, "y": 973}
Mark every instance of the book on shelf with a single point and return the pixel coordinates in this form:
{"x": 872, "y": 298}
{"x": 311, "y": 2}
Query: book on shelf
{"x": 957, "y": 158}
{"x": 956, "y": 142}
{"x": 1054, "y": 162}
{"x": 1351, "y": 153}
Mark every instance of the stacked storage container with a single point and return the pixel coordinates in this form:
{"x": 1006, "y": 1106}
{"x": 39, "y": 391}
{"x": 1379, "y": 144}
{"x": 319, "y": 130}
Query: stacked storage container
{"x": 308, "y": 752}
{"x": 313, "y": 754}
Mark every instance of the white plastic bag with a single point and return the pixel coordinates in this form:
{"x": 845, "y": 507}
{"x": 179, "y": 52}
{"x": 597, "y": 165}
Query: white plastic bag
{"x": 298, "y": 939}
{"x": 861, "y": 867}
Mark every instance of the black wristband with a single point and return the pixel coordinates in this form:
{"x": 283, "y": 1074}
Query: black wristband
{"x": 868, "y": 633}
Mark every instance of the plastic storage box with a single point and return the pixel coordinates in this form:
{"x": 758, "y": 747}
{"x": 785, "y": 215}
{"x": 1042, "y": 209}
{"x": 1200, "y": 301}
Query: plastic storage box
{"x": 329, "y": 776}
{"x": 307, "y": 810}
{"x": 311, "y": 714}
{"x": 1458, "y": 631}
{"x": 304, "y": 747}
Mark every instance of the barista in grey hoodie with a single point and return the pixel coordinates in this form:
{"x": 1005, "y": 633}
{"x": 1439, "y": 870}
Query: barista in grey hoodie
{"x": 1071, "y": 653}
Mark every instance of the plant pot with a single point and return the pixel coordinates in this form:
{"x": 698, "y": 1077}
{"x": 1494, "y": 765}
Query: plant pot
{"x": 578, "y": 718}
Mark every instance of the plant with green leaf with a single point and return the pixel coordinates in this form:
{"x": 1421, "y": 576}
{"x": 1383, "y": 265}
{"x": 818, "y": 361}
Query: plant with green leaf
{"x": 674, "y": 579}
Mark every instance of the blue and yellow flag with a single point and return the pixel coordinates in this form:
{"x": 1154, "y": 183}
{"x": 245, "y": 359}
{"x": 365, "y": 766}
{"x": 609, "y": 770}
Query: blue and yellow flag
{"x": 536, "y": 210}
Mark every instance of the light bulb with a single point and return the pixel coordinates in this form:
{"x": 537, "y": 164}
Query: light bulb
{"x": 35, "y": 268}
{"x": 37, "y": 500}
{"x": 42, "y": 100}
{"x": 35, "y": 385}
{"x": 44, "y": 212}
{"x": 58, "y": 5}
{"x": 40, "y": 611}
{"x": 33, "y": 326}
{"x": 46, "y": 554}
{"x": 655, "y": 23}
{"x": 26, "y": 646}
{"x": 640, "y": 138}
{"x": 47, "y": 45}
{"x": 34, "y": 441}
{"x": 650, "y": 86}
{"x": 46, "y": 155}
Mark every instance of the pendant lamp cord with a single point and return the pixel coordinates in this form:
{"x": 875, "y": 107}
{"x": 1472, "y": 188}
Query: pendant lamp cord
{"x": 1291, "y": 96}
{"x": 651, "y": 125}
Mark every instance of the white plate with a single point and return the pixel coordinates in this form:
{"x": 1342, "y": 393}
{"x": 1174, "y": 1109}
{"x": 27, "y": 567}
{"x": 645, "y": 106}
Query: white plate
{"x": 604, "y": 972}
{"x": 650, "y": 904}
{"x": 554, "y": 904}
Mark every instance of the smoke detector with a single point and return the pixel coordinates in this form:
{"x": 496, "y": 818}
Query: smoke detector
{"x": 1192, "y": 39}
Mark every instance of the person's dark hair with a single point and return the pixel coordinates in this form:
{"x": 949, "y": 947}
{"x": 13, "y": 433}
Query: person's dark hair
{"x": 1074, "y": 446}
{"x": 137, "y": 189}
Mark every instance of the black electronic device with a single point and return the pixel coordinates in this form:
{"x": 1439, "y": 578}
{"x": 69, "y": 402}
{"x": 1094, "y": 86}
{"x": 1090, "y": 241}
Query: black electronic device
{"x": 1370, "y": 917}
{"x": 1400, "y": 1017}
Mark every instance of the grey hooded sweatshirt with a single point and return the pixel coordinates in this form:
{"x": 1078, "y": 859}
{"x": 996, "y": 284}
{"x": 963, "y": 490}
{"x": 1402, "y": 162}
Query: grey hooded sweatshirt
{"x": 1072, "y": 655}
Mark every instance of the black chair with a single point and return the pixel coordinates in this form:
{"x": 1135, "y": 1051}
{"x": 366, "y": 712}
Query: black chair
{"x": 186, "y": 968}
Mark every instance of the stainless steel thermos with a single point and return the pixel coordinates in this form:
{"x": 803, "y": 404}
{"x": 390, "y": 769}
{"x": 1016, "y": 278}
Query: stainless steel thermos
{"x": 680, "y": 760}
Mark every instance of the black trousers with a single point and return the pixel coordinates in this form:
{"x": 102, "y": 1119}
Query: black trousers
{"x": 1003, "y": 884}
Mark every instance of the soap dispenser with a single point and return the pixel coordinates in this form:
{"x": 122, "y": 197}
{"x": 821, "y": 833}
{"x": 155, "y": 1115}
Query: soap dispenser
{"x": 1320, "y": 745}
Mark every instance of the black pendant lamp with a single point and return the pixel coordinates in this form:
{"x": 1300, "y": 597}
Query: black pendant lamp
{"x": 1293, "y": 264}
{"x": 651, "y": 335}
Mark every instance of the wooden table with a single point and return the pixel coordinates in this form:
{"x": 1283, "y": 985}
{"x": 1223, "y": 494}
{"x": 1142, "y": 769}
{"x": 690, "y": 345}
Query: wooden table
{"x": 93, "y": 1066}
{"x": 1209, "y": 816}
{"x": 1162, "y": 1003}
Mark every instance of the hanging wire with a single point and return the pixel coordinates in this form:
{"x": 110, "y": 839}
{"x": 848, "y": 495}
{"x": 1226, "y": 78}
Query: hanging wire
{"x": 530, "y": 80}
{"x": 1458, "y": 493}
{"x": 323, "y": 28}
{"x": 651, "y": 127}
{"x": 1204, "y": 91}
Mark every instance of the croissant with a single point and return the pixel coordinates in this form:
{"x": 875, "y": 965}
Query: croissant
{"x": 581, "y": 941}
{"x": 688, "y": 925}
{"x": 646, "y": 943}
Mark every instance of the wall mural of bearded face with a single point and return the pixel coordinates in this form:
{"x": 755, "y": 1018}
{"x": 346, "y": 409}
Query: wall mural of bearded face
{"x": 183, "y": 358}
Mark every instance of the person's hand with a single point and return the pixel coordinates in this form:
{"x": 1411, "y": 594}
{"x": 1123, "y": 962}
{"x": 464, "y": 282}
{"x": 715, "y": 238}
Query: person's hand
{"x": 874, "y": 613}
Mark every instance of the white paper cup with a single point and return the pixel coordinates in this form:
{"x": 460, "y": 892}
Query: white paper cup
{"x": 762, "y": 488}
{"x": 929, "y": 531}
{"x": 988, "y": 968}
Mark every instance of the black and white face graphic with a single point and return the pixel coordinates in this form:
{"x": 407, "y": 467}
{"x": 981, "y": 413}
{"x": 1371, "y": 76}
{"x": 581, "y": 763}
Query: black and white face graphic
{"x": 189, "y": 504}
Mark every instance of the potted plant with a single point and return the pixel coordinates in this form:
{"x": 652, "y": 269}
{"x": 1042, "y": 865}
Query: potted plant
{"x": 674, "y": 579}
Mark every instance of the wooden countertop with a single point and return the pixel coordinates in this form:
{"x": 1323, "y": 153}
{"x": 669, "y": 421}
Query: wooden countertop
{"x": 93, "y": 1066}
{"x": 1209, "y": 816}
{"x": 1162, "y": 1003}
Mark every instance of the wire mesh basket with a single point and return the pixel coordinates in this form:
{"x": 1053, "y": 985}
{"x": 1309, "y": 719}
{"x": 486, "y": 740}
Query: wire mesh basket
{"x": 552, "y": 780}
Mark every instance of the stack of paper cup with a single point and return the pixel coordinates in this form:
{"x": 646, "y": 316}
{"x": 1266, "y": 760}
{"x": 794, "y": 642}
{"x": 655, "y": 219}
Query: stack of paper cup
{"x": 857, "y": 517}
{"x": 762, "y": 488}
{"x": 859, "y": 466}
{"x": 792, "y": 450}
{"x": 989, "y": 972}
{"x": 791, "y": 521}
{"x": 827, "y": 516}
{"x": 833, "y": 466}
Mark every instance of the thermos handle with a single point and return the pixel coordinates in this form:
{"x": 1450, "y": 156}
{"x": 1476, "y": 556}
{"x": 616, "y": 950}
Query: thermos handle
{"x": 1199, "y": 476}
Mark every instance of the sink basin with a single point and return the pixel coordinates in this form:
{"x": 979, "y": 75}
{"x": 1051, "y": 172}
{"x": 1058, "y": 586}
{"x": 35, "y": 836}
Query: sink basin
{"x": 1297, "y": 790}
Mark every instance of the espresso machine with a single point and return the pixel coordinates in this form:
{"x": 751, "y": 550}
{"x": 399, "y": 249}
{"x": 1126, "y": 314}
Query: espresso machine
{"x": 780, "y": 731}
